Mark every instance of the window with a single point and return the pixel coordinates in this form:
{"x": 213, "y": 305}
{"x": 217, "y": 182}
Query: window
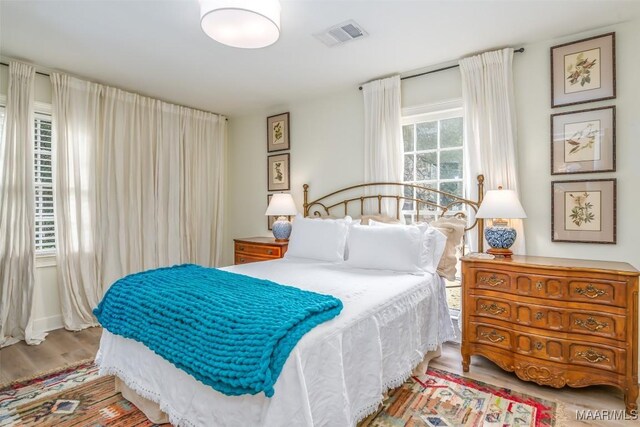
{"x": 43, "y": 180}
{"x": 433, "y": 158}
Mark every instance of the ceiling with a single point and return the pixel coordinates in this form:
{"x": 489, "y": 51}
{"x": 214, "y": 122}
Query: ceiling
{"x": 157, "y": 47}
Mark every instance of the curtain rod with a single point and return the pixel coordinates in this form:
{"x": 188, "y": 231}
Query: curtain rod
{"x": 440, "y": 69}
{"x": 168, "y": 102}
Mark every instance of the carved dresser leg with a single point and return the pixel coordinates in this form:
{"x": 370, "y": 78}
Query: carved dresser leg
{"x": 631, "y": 399}
{"x": 465, "y": 363}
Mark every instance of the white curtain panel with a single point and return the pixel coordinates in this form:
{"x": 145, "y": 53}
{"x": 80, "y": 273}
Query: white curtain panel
{"x": 17, "y": 215}
{"x": 490, "y": 128}
{"x": 383, "y": 140}
{"x": 139, "y": 186}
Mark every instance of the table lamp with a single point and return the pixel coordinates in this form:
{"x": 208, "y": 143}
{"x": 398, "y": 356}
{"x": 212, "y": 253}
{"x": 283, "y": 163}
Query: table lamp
{"x": 500, "y": 205}
{"x": 281, "y": 205}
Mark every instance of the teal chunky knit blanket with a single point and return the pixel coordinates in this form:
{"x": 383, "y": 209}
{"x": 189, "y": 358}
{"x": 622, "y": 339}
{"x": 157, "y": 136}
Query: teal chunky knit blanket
{"x": 229, "y": 331}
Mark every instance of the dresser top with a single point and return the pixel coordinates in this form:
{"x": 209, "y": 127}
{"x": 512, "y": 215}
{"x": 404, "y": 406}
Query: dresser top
{"x": 622, "y": 268}
{"x": 271, "y": 241}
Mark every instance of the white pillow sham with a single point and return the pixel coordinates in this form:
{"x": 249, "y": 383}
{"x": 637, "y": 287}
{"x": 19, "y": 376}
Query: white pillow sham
{"x": 385, "y": 248}
{"x": 320, "y": 239}
{"x": 433, "y": 243}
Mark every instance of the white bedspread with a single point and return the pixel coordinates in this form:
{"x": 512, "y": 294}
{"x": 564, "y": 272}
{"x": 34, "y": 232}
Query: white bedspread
{"x": 335, "y": 375}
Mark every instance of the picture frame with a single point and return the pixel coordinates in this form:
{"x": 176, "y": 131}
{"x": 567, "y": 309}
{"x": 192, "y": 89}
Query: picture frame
{"x": 584, "y": 211}
{"x": 278, "y": 172}
{"x": 270, "y": 218}
{"x": 278, "y": 133}
{"x": 583, "y": 141}
{"x": 583, "y": 71}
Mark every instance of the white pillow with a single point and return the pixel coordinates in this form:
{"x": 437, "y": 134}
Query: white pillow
{"x": 385, "y": 248}
{"x": 321, "y": 239}
{"x": 433, "y": 243}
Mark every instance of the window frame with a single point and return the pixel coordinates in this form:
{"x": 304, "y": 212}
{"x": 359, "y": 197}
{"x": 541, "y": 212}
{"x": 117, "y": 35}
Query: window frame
{"x": 43, "y": 112}
{"x": 431, "y": 113}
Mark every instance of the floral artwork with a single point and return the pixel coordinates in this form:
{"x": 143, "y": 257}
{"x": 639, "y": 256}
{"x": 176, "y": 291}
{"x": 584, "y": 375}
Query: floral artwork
{"x": 278, "y": 133}
{"x": 278, "y": 174}
{"x": 582, "y": 141}
{"x": 583, "y": 210}
{"x": 583, "y": 71}
{"x": 278, "y": 168}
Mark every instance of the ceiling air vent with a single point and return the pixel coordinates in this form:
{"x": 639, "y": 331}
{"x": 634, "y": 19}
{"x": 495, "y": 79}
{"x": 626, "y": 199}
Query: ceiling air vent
{"x": 341, "y": 33}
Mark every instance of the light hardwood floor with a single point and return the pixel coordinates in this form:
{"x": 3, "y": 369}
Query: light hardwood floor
{"x": 63, "y": 348}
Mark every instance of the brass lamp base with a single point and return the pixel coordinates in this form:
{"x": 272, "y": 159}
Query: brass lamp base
{"x": 499, "y": 252}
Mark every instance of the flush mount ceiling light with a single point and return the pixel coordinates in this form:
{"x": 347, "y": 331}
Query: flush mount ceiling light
{"x": 248, "y": 24}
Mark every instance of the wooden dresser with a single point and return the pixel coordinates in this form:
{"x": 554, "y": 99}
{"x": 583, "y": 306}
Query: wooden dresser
{"x": 554, "y": 321}
{"x": 254, "y": 249}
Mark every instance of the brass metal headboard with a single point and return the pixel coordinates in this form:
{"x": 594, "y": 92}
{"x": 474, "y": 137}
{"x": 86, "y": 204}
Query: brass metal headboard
{"x": 322, "y": 202}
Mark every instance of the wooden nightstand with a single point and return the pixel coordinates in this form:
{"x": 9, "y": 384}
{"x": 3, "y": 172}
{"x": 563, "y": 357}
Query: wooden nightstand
{"x": 254, "y": 249}
{"x": 554, "y": 321}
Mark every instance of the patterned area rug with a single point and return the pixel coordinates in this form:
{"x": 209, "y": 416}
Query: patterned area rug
{"x": 77, "y": 396}
{"x": 439, "y": 398}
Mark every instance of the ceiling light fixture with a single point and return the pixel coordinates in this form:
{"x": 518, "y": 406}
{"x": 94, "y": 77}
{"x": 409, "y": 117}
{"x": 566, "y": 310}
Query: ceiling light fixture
{"x": 248, "y": 24}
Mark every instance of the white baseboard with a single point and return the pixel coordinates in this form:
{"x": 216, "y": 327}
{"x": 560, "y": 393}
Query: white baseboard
{"x": 46, "y": 324}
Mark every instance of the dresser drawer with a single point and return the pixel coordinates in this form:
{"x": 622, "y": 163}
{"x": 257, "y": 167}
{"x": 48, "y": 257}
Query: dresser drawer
{"x": 259, "y": 250}
{"x": 549, "y": 317}
{"x": 550, "y": 287}
{"x": 549, "y": 348}
{"x": 488, "y": 334}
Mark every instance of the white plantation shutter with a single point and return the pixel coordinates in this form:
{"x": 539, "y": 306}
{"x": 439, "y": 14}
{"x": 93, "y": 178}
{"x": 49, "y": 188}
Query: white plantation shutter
{"x": 43, "y": 180}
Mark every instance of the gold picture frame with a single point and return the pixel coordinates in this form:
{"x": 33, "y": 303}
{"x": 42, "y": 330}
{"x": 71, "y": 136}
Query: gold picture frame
{"x": 584, "y": 211}
{"x": 583, "y": 71}
{"x": 278, "y": 133}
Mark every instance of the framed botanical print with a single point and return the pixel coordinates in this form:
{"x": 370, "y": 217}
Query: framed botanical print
{"x": 583, "y": 141}
{"x": 584, "y": 211}
{"x": 583, "y": 71}
{"x": 278, "y": 133}
{"x": 278, "y": 172}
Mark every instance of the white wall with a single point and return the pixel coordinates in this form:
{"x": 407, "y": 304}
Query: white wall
{"x": 47, "y": 314}
{"x": 327, "y": 147}
{"x": 533, "y": 89}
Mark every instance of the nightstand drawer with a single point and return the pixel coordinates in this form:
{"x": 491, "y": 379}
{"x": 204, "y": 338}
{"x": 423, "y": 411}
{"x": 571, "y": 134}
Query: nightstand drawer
{"x": 245, "y": 259}
{"x": 260, "y": 250}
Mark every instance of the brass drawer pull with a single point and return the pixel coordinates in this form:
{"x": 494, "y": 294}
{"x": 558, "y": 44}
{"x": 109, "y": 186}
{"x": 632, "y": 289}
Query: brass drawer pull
{"x": 592, "y": 356}
{"x": 591, "y": 324}
{"x": 591, "y": 291}
{"x": 241, "y": 248}
{"x": 493, "y": 336}
{"x": 539, "y": 285}
{"x": 270, "y": 252}
{"x": 539, "y": 315}
{"x": 492, "y": 281}
{"x": 539, "y": 346}
{"x": 493, "y": 309}
{"x": 242, "y": 260}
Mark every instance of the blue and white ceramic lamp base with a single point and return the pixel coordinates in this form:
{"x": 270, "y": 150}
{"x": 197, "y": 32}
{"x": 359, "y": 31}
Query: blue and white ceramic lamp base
{"x": 500, "y": 239}
{"x": 281, "y": 229}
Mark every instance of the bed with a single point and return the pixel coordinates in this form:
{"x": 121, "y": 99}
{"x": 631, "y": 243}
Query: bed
{"x": 337, "y": 373}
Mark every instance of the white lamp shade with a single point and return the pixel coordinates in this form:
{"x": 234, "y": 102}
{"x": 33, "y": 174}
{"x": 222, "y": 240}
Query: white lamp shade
{"x": 501, "y": 204}
{"x": 281, "y": 205}
{"x": 248, "y": 24}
